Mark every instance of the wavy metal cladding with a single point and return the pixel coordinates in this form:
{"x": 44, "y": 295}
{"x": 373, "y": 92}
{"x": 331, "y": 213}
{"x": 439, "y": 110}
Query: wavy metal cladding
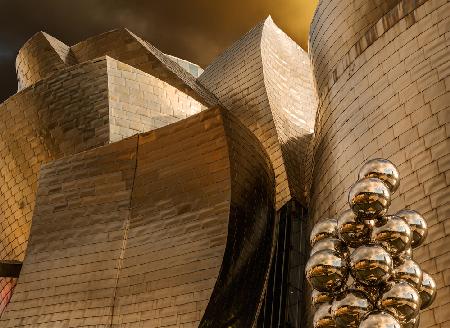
{"x": 235, "y": 300}
{"x": 151, "y": 231}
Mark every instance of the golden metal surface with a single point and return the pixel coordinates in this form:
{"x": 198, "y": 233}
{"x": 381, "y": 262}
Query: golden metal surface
{"x": 332, "y": 244}
{"x": 323, "y": 317}
{"x": 326, "y": 271}
{"x": 369, "y": 197}
{"x": 427, "y": 290}
{"x": 401, "y": 300}
{"x": 325, "y": 228}
{"x": 371, "y": 265}
{"x": 382, "y": 169}
{"x": 417, "y": 224}
{"x": 349, "y": 308}
{"x": 380, "y": 319}
{"x": 353, "y": 231}
{"x": 393, "y": 233}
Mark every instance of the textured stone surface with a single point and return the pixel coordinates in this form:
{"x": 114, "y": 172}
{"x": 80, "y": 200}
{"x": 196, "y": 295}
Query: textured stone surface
{"x": 388, "y": 98}
{"x": 134, "y": 233}
{"x": 265, "y": 79}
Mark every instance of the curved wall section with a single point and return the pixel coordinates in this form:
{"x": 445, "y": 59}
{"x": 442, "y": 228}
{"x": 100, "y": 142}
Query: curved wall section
{"x": 337, "y": 26}
{"x": 392, "y": 101}
{"x": 266, "y": 81}
{"x": 136, "y": 233}
{"x": 39, "y": 57}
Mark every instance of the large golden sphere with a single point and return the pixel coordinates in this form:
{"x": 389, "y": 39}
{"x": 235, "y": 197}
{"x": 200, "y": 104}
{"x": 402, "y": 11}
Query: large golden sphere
{"x": 324, "y": 228}
{"x": 418, "y": 226}
{"x": 332, "y": 244}
{"x": 318, "y": 298}
{"x": 372, "y": 293}
{"x": 413, "y": 323}
{"x": 379, "y": 319}
{"x": 410, "y": 272}
{"x": 351, "y": 230}
{"x": 401, "y": 300}
{"x": 427, "y": 290}
{"x": 383, "y": 170}
{"x": 326, "y": 271}
{"x": 369, "y": 197}
{"x": 349, "y": 308}
{"x": 393, "y": 233}
{"x": 323, "y": 318}
{"x": 371, "y": 265}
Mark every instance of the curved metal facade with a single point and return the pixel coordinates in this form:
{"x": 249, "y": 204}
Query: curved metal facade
{"x": 384, "y": 92}
{"x": 161, "y": 199}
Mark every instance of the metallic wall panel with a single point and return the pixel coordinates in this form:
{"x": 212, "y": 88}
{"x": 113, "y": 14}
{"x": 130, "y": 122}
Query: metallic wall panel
{"x": 39, "y": 57}
{"x": 69, "y": 273}
{"x": 265, "y": 79}
{"x": 125, "y": 46}
{"x": 146, "y": 230}
{"x": 251, "y": 232}
{"x": 389, "y": 97}
{"x": 60, "y": 115}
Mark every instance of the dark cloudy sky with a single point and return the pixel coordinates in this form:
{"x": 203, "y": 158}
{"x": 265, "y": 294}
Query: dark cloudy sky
{"x": 196, "y": 30}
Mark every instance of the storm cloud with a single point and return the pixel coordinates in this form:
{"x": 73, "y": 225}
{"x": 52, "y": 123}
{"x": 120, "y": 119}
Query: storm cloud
{"x": 196, "y": 30}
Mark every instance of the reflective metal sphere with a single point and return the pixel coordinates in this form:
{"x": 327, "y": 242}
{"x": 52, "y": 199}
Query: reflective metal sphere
{"x": 383, "y": 170}
{"x": 323, "y": 318}
{"x": 332, "y": 244}
{"x": 417, "y": 224}
{"x": 427, "y": 290}
{"x": 402, "y": 257}
{"x": 372, "y": 293}
{"x": 410, "y": 272}
{"x": 324, "y": 228}
{"x": 379, "y": 319}
{"x": 393, "y": 233}
{"x": 413, "y": 323}
{"x": 349, "y": 308}
{"x": 319, "y": 298}
{"x": 369, "y": 197}
{"x": 401, "y": 300}
{"x": 371, "y": 265}
{"x": 326, "y": 271}
{"x": 351, "y": 230}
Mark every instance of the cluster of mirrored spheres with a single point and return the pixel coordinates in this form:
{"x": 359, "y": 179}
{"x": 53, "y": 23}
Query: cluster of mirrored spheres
{"x": 361, "y": 266}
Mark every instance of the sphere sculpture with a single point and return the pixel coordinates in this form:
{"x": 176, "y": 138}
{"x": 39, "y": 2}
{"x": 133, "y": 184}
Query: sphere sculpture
{"x": 418, "y": 226}
{"x": 427, "y": 290}
{"x": 319, "y": 298}
{"x": 371, "y": 265}
{"x": 379, "y": 319}
{"x": 369, "y": 197}
{"x": 352, "y": 231}
{"x": 323, "y": 229}
{"x": 382, "y": 169}
{"x": 326, "y": 271}
{"x": 361, "y": 265}
{"x": 401, "y": 300}
{"x": 332, "y": 244}
{"x": 349, "y": 308}
{"x": 393, "y": 233}
{"x": 323, "y": 317}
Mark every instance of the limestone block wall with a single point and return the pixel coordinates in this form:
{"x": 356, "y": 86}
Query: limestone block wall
{"x": 388, "y": 96}
{"x": 261, "y": 84}
{"x": 118, "y": 240}
{"x": 140, "y": 102}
